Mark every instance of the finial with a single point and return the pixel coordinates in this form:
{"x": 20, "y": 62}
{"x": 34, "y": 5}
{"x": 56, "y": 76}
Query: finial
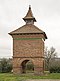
{"x": 29, "y": 6}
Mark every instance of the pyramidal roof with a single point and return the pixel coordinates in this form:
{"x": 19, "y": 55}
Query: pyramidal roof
{"x": 29, "y": 15}
{"x": 28, "y": 28}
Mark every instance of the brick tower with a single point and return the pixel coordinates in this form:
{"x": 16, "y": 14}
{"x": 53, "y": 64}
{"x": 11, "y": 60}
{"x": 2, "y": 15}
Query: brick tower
{"x": 28, "y": 45}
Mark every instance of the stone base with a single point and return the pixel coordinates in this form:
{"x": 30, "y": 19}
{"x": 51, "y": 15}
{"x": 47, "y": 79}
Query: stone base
{"x": 38, "y": 71}
{"x": 17, "y": 70}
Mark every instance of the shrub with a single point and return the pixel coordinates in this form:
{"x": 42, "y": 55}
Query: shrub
{"x": 5, "y": 65}
{"x": 29, "y": 65}
{"x": 54, "y": 69}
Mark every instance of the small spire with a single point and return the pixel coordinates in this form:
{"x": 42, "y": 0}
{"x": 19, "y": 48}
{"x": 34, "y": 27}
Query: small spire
{"x": 29, "y": 15}
{"x": 29, "y": 6}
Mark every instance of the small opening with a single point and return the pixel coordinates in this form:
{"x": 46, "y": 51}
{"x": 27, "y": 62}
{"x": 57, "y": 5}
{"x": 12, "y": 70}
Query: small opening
{"x": 29, "y": 22}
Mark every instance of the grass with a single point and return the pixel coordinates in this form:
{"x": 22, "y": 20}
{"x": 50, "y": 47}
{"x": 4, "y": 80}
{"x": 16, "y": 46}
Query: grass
{"x": 23, "y": 77}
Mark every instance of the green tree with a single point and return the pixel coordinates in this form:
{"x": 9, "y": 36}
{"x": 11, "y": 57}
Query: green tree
{"x": 5, "y": 65}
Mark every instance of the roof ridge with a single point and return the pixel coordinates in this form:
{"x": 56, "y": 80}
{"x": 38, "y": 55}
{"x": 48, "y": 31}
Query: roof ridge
{"x": 16, "y": 29}
{"x": 38, "y": 28}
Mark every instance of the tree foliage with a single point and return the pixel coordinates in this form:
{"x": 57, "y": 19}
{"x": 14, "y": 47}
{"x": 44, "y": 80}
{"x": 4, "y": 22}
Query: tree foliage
{"x": 5, "y": 65}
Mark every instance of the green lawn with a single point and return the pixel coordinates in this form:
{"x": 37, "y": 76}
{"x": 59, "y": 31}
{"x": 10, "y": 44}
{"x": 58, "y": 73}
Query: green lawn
{"x": 11, "y": 77}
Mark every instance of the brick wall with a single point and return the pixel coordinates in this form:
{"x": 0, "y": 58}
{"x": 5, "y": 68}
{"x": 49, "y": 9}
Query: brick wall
{"x": 28, "y": 47}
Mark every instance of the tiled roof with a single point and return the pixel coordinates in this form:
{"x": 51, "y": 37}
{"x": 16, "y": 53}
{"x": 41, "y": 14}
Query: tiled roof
{"x": 26, "y": 29}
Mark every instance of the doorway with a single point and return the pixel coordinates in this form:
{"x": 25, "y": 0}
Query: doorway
{"x": 27, "y": 66}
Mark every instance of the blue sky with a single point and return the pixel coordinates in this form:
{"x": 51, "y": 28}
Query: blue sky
{"x": 46, "y": 12}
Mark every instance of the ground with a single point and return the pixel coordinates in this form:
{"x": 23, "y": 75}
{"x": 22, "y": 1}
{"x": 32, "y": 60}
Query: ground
{"x": 44, "y": 80}
{"x": 28, "y": 77}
